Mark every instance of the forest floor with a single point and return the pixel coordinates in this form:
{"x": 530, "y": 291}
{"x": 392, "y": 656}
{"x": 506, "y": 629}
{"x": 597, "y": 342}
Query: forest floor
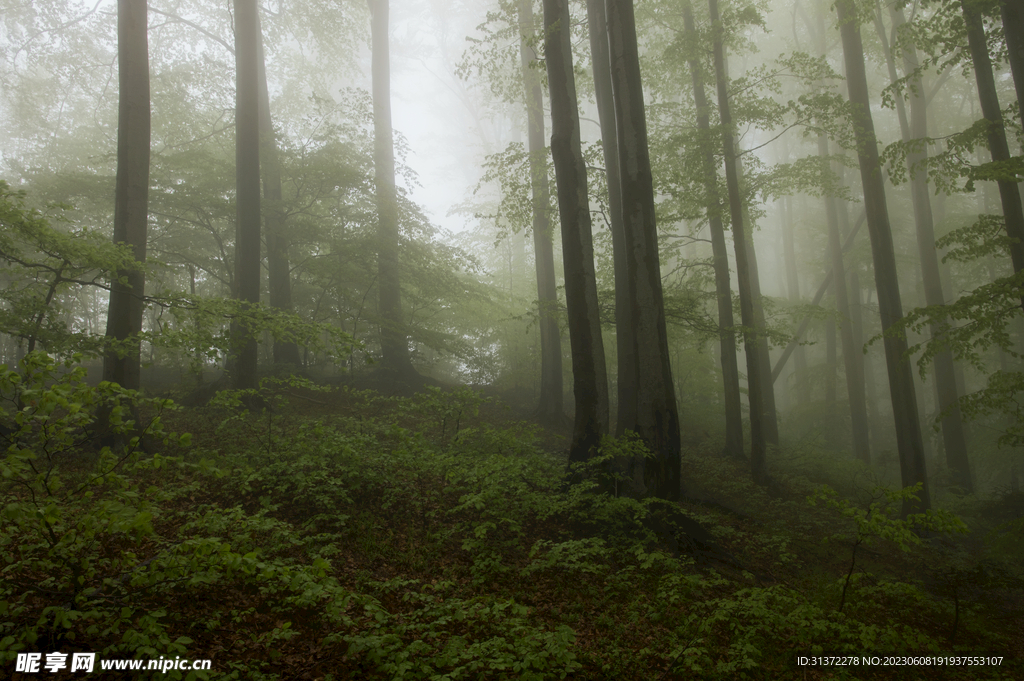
{"x": 348, "y": 534}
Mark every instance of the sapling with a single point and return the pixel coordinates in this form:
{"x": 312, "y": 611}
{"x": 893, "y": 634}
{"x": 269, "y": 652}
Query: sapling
{"x": 880, "y": 520}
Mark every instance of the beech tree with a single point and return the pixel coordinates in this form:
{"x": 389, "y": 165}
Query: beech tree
{"x": 279, "y": 279}
{"x": 550, "y": 406}
{"x": 1009, "y": 190}
{"x": 590, "y": 382}
{"x": 121, "y": 362}
{"x": 901, "y": 384}
{"x": 723, "y": 288}
{"x": 597, "y": 23}
{"x": 393, "y": 340}
{"x": 655, "y": 418}
{"x": 749, "y": 288}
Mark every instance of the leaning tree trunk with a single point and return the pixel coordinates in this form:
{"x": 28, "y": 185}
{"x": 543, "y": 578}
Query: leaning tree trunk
{"x": 550, "y": 408}
{"x": 279, "y": 280}
{"x": 1009, "y": 193}
{"x": 247, "y": 190}
{"x": 131, "y": 192}
{"x": 590, "y": 381}
{"x": 393, "y": 341}
{"x": 720, "y": 254}
{"x": 748, "y": 287}
{"x": 624, "y": 334}
{"x": 656, "y": 418}
{"x": 901, "y": 385}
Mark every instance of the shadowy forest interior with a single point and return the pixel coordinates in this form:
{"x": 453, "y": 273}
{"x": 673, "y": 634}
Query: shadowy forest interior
{"x": 512, "y": 339}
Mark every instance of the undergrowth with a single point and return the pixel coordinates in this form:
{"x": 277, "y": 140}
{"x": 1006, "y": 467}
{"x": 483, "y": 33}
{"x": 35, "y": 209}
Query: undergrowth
{"x": 343, "y": 535}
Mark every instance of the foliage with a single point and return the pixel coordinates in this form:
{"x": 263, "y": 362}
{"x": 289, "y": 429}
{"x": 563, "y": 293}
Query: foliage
{"x": 44, "y": 266}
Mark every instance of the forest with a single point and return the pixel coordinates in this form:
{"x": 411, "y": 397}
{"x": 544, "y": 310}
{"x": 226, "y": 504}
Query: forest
{"x": 512, "y": 339}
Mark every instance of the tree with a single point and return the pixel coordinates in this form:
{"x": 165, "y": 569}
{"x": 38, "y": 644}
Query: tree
{"x": 656, "y": 419}
{"x": 393, "y": 341}
{"x": 1013, "y": 32}
{"x": 853, "y": 358}
{"x": 247, "y": 188}
{"x": 549, "y": 409}
{"x": 121, "y": 363}
{"x": 916, "y": 128}
{"x": 1009, "y": 192}
{"x": 597, "y": 22}
{"x": 901, "y": 385}
{"x": 279, "y": 280}
{"x": 590, "y": 380}
{"x": 749, "y": 287}
{"x": 723, "y": 288}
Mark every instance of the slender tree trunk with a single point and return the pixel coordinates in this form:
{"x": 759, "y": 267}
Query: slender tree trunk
{"x": 590, "y": 380}
{"x": 720, "y": 255}
{"x": 131, "y": 194}
{"x": 748, "y": 288}
{"x": 624, "y": 338}
{"x": 550, "y": 407}
{"x": 656, "y": 417}
{"x": 279, "y": 272}
{"x": 953, "y": 438}
{"x": 901, "y": 385}
{"x": 793, "y": 293}
{"x": 764, "y": 362}
{"x": 393, "y": 341}
{"x": 1009, "y": 193}
{"x": 852, "y": 356}
{"x": 247, "y": 189}
{"x": 857, "y": 323}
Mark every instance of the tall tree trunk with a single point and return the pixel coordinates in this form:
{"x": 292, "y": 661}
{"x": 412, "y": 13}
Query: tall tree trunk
{"x": 279, "y": 281}
{"x": 656, "y": 416}
{"x": 590, "y": 380}
{"x": 953, "y": 438}
{"x": 1009, "y": 193}
{"x": 393, "y": 341}
{"x": 597, "y": 22}
{"x": 131, "y": 192}
{"x": 749, "y": 288}
{"x": 852, "y": 356}
{"x": 901, "y": 385}
{"x": 550, "y": 407}
{"x": 1013, "y": 32}
{"x": 719, "y": 251}
{"x": 247, "y": 189}
{"x": 793, "y": 293}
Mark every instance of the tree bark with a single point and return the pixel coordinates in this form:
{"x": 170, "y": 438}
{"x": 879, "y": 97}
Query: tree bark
{"x": 131, "y": 193}
{"x": 901, "y": 386}
{"x": 656, "y": 415}
{"x": 852, "y": 355}
{"x": 953, "y": 437}
{"x": 590, "y": 380}
{"x": 1009, "y": 193}
{"x": 247, "y": 190}
{"x": 1013, "y": 32}
{"x": 624, "y": 334}
{"x": 720, "y": 255}
{"x": 550, "y": 408}
{"x": 279, "y": 281}
{"x": 749, "y": 287}
{"x": 393, "y": 340}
